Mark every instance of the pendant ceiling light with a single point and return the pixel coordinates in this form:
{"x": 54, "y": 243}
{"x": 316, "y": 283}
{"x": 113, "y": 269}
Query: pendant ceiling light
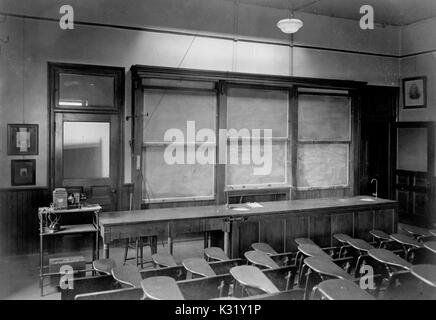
{"x": 290, "y": 25}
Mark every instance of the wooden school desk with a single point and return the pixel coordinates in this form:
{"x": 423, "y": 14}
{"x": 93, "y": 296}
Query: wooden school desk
{"x": 276, "y": 223}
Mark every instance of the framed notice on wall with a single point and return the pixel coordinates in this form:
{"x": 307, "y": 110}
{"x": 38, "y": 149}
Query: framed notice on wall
{"x": 23, "y": 172}
{"x": 415, "y": 92}
{"x": 22, "y": 139}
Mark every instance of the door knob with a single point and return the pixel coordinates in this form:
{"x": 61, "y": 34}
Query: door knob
{"x": 114, "y": 190}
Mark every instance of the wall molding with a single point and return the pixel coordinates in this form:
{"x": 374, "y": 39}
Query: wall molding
{"x": 209, "y": 35}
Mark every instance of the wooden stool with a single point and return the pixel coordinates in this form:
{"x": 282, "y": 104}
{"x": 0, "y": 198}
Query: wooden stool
{"x": 161, "y": 288}
{"x": 163, "y": 260}
{"x": 409, "y": 244}
{"x": 127, "y": 274}
{"x": 362, "y": 247}
{"x": 426, "y": 273}
{"x": 138, "y": 245}
{"x": 198, "y": 266}
{"x": 263, "y": 247}
{"x": 381, "y": 237}
{"x": 252, "y": 277}
{"x": 340, "y": 289}
{"x": 343, "y": 239}
{"x": 324, "y": 267}
{"x": 215, "y": 254}
{"x": 104, "y": 265}
{"x": 261, "y": 259}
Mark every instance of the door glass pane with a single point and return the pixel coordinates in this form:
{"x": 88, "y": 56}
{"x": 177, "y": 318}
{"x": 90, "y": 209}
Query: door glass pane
{"x": 86, "y": 150}
{"x": 80, "y": 90}
{"x": 412, "y": 149}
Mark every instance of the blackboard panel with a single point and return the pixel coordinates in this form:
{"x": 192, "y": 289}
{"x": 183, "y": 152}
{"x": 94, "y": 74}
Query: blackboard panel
{"x": 412, "y": 149}
{"x": 323, "y": 118}
{"x": 162, "y": 180}
{"x": 258, "y": 109}
{"x": 243, "y": 174}
{"x": 322, "y": 165}
{"x": 167, "y": 109}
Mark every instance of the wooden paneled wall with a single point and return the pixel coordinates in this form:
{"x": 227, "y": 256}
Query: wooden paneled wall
{"x": 19, "y": 232}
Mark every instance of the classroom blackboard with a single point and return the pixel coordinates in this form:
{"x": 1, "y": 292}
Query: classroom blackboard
{"x": 164, "y": 181}
{"x": 324, "y": 118}
{"x": 322, "y": 165}
{"x": 243, "y": 174}
{"x": 258, "y": 109}
{"x": 167, "y": 109}
{"x": 172, "y": 109}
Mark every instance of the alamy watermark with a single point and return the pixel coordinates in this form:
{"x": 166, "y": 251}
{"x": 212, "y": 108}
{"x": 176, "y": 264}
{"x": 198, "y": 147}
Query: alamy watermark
{"x": 246, "y": 147}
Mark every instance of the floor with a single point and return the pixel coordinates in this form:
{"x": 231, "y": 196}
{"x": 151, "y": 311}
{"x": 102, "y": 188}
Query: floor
{"x": 19, "y": 275}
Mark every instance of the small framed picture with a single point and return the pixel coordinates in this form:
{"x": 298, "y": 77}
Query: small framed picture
{"x": 415, "y": 92}
{"x": 22, "y": 139}
{"x": 23, "y": 172}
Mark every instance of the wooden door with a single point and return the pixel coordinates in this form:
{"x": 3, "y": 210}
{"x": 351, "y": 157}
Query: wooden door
{"x": 415, "y": 172}
{"x": 378, "y": 114}
{"x": 87, "y": 149}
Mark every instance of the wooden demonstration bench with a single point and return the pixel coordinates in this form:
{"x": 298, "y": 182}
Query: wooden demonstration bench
{"x": 277, "y": 223}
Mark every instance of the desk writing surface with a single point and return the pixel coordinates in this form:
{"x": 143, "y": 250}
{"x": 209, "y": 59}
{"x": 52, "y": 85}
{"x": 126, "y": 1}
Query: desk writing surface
{"x": 209, "y": 212}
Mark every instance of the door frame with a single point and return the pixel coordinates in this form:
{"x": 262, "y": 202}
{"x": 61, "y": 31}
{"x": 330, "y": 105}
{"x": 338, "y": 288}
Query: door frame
{"x": 53, "y": 71}
{"x": 430, "y": 126}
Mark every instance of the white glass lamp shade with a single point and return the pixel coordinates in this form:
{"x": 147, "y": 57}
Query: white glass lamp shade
{"x": 290, "y": 25}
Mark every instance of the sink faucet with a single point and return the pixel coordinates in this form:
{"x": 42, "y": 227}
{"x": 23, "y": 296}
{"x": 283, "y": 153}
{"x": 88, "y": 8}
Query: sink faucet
{"x": 376, "y": 187}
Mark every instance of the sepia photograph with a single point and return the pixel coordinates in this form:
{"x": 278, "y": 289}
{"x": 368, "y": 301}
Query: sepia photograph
{"x": 230, "y": 153}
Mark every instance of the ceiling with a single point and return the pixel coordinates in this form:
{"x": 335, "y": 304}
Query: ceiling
{"x": 392, "y": 12}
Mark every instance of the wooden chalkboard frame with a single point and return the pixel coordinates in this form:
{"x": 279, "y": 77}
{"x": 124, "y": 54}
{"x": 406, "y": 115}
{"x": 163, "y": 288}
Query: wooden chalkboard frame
{"x": 285, "y": 139}
{"x": 222, "y": 79}
{"x": 349, "y": 142}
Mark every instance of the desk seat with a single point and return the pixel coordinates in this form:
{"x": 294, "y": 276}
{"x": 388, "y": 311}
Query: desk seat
{"x": 360, "y": 244}
{"x": 198, "y": 266}
{"x": 300, "y": 241}
{"x": 405, "y": 240}
{"x": 311, "y": 250}
{"x": 341, "y": 237}
{"x": 215, "y": 253}
{"x": 161, "y": 288}
{"x": 416, "y": 231}
{"x": 104, "y": 265}
{"x": 327, "y": 267}
{"x": 264, "y": 247}
{"x": 127, "y": 274}
{"x": 389, "y": 258}
{"x": 380, "y": 235}
{"x": 251, "y": 276}
{"x": 340, "y": 289}
{"x": 164, "y": 259}
{"x": 430, "y": 245}
{"x": 261, "y": 259}
{"x": 426, "y": 273}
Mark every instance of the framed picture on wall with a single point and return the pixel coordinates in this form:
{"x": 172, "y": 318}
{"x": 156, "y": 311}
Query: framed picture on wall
{"x": 22, "y": 139}
{"x": 415, "y": 92}
{"x": 23, "y": 172}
